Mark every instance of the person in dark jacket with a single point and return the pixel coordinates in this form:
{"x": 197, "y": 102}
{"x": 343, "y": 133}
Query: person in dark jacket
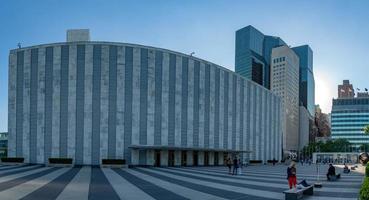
{"x": 331, "y": 171}
{"x": 235, "y": 166}
{"x": 229, "y": 165}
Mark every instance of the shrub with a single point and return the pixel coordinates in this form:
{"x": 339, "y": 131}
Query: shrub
{"x": 364, "y": 191}
{"x": 113, "y": 161}
{"x": 60, "y": 160}
{"x": 13, "y": 160}
{"x": 367, "y": 171}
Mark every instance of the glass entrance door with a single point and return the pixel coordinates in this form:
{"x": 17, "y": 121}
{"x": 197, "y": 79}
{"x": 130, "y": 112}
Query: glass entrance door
{"x": 157, "y": 158}
{"x": 206, "y": 158}
{"x": 170, "y": 158}
{"x": 184, "y": 158}
{"x": 216, "y": 158}
{"x": 195, "y": 158}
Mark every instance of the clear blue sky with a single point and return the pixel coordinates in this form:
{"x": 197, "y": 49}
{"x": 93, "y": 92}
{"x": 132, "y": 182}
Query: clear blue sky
{"x": 336, "y": 30}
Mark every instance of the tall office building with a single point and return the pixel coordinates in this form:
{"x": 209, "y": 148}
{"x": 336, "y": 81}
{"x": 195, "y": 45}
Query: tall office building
{"x": 253, "y": 54}
{"x": 346, "y": 90}
{"x": 306, "y": 76}
{"x": 285, "y": 83}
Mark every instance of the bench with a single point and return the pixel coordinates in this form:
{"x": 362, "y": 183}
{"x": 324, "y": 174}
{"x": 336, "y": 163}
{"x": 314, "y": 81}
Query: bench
{"x": 334, "y": 178}
{"x": 294, "y": 194}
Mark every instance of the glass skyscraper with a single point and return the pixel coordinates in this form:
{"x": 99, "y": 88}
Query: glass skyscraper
{"x": 253, "y": 54}
{"x": 349, "y": 117}
{"x": 307, "y": 82}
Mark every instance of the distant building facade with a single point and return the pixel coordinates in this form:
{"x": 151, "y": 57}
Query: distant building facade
{"x": 91, "y": 100}
{"x": 253, "y": 54}
{"x": 3, "y": 144}
{"x": 285, "y": 84}
{"x": 350, "y": 115}
{"x": 306, "y": 78}
{"x": 346, "y": 90}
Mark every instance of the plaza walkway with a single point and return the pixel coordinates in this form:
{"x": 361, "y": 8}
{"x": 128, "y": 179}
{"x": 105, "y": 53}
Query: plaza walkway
{"x": 204, "y": 183}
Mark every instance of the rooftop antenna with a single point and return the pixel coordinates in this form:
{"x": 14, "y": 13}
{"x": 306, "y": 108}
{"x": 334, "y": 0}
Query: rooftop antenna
{"x": 19, "y": 45}
{"x": 192, "y": 53}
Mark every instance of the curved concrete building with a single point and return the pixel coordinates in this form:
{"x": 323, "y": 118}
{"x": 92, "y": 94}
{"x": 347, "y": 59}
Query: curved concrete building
{"x": 93, "y": 100}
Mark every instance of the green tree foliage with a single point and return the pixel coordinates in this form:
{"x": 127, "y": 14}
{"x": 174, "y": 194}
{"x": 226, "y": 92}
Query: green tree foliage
{"x": 366, "y": 129}
{"x": 339, "y": 145}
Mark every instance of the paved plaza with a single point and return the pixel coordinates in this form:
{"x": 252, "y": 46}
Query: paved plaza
{"x": 256, "y": 182}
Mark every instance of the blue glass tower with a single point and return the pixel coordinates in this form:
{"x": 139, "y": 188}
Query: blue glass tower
{"x": 349, "y": 117}
{"x": 307, "y": 82}
{"x": 253, "y": 51}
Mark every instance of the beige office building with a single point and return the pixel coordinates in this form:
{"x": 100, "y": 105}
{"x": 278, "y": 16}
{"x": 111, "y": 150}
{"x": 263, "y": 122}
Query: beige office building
{"x": 285, "y": 83}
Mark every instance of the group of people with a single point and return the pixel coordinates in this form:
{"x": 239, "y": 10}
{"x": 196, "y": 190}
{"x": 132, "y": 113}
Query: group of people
{"x": 291, "y": 174}
{"x": 237, "y": 165}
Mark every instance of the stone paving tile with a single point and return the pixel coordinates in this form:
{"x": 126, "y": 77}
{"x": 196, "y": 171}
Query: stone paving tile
{"x": 202, "y": 183}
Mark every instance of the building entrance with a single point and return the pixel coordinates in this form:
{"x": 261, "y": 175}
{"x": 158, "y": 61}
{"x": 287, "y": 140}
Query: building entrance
{"x": 206, "y": 158}
{"x": 170, "y": 158}
{"x": 195, "y": 158}
{"x": 157, "y": 158}
{"x": 216, "y": 158}
{"x": 184, "y": 158}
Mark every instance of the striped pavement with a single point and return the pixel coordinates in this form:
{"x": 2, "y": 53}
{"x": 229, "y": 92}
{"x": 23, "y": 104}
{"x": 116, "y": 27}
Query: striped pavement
{"x": 37, "y": 182}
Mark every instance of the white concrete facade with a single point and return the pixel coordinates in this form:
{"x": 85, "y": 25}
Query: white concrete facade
{"x": 204, "y": 118}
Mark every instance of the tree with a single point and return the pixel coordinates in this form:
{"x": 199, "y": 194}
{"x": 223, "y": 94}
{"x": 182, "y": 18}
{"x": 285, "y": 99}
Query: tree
{"x": 366, "y": 129}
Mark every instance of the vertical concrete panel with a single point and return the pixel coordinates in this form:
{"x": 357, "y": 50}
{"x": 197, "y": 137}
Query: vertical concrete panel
{"x": 96, "y": 105}
{"x": 217, "y": 104}
{"x": 71, "y": 141}
{"x": 158, "y": 97}
{"x": 207, "y": 106}
{"x": 251, "y": 116}
{"x": 151, "y": 101}
{"x": 234, "y": 108}
{"x": 56, "y": 103}
{"x": 212, "y": 108}
{"x": 112, "y": 116}
{"x": 12, "y": 93}
{"x": 172, "y": 96}
{"x": 80, "y": 103}
{"x": 184, "y": 101}
{"x": 87, "y": 135}
{"x": 202, "y": 106}
{"x": 165, "y": 100}
{"x": 41, "y": 106}
{"x": 26, "y": 105}
{"x": 64, "y": 88}
{"x": 48, "y": 118}
{"x": 33, "y": 106}
{"x": 246, "y": 132}
{"x": 178, "y": 104}
{"x": 144, "y": 58}
{"x": 196, "y": 104}
{"x": 120, "y": 101}
{"x": 104, "y": 99}
{"x": 237, "y": 112}
{"x": 230, "y": 111}
{"x": 221, "y": 109}
{"x": 136, "y": 95}
{"x": 190, "y": 105}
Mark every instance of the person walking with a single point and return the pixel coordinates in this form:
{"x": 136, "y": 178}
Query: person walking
{"x": 240, "y": 166}
{"x": 229, "y": 165}
{"x": 291, "y": 175}
{"x": 235, "y": 165}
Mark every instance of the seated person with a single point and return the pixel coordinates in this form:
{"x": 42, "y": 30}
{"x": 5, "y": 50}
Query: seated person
{"x": 331, "y": 172}
{"x": 346, "y": 169}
